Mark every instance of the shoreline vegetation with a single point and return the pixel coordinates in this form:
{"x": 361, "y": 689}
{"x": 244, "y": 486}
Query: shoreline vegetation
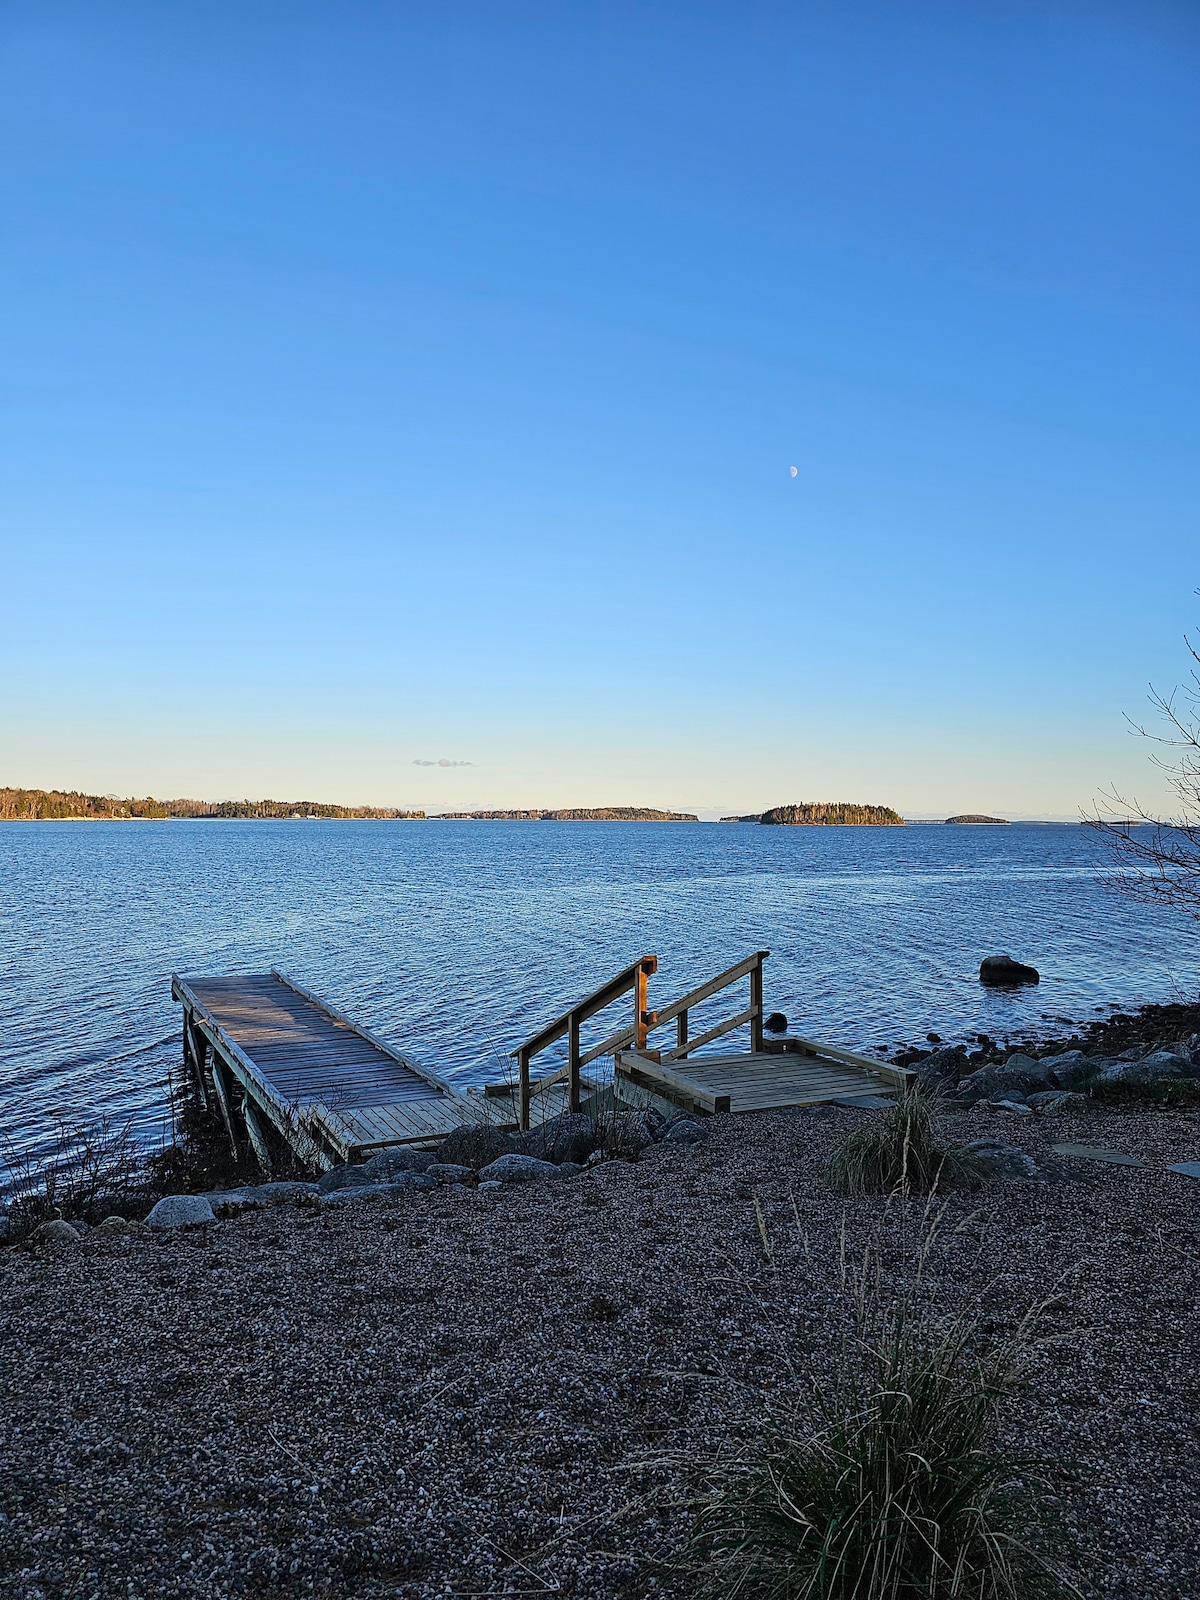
{"x": 826, "y": 813}
{"x": 57, "y": 805}
{"x": 576, "y": 814}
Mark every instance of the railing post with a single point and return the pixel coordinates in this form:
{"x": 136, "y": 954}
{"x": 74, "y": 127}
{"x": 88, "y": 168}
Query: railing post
{"x": 681, "y": 1027}
{"x": 640, "y": 997}
{"x": 756, "y": 1003}
{"x": 523, "y": 1089}
{"x": 573, "y": 1054}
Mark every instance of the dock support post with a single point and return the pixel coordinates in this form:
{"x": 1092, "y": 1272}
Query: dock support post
{"x": 222, "y": 1089}
{"x": 194, "y": 1046}
{"x": 573, "y": 1053}
{"x": 523, "y": 1090}
{"x": 756, "y": 1006}
{"x": 254, "y": 1128}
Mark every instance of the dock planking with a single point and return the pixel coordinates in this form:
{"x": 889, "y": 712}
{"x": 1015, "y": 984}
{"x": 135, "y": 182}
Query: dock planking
{"x": 267, "y": 1047}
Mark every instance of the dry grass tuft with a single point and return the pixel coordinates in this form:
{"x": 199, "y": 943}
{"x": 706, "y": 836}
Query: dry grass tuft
{"x": 887, "y": 1484}
{"x": 902, "y": 1152}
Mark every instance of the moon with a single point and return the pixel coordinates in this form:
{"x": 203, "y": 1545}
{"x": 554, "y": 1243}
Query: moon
{"x": 795, "y": 471}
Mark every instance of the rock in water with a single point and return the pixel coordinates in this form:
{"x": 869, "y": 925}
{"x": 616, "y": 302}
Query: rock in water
{"x": 475, "y": 1146}
{"x": 181, "y": 1211}
{"x": 776, "y": 1023}
{"x": 1004, "y": 972}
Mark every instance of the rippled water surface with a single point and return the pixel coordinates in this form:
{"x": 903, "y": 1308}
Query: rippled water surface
{"x": 455, "y": 940}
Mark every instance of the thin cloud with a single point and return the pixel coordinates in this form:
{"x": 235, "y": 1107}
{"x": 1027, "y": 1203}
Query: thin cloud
{"x": 443, "y": 763}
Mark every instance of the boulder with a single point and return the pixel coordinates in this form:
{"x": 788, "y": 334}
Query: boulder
{"x": 54, "y": 1232}
{"x": 1022, "y": 1072}
{"x": 1070, "y": 1069}
{"x": 399, "y": 1158}
{"x": 475, "y": 1146}
{"x": 404, "y": 1183}
{"x": 180, "y": 1211}
{"x": 948, "y": 1062}
{"x": 632, "y": 1132}
{"x": 1004, "y": 972}
{"x": 995, "y": 1159}
{"x": 449, "y": 1172}
{"x": 514, "y": 1168}
{"x": 1058, "y": 1103}
{"x": 344, "y": 1177}
{"x": 120, "y": 1225}
{"x": 569, "y": 1137}
{"x": 776, "y": 1023}
{"x": 1160, "y": 1068}
{"x": 685, "y": 1131}
{"x": 978, "y": 1085}
{"x": 1013, "y": 1102}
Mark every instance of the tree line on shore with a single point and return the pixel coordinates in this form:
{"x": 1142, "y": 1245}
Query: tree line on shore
{"x": 57, "y": 805}
{"x": 829, "y": 813}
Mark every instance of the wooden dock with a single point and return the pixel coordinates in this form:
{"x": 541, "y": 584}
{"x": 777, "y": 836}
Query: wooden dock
{"x": 265, "y": 1053}
{"x": 775, "y": 1072}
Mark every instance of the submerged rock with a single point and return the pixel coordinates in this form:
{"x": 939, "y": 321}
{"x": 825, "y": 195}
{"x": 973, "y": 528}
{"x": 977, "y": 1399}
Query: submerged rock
{"x": 1003, "y": 971}
{"x": 181, "y": 1211}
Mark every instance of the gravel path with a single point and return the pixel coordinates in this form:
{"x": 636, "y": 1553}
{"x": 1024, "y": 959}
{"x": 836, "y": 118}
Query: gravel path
{"x": 516, "y": 1391}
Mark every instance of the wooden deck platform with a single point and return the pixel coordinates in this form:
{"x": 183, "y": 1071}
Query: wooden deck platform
{"x": 263, "y": 1047}
{"x": 765, "y": 1080}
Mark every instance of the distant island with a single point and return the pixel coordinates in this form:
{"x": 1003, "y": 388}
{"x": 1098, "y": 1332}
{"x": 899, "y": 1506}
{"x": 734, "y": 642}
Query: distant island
{"x": 597, "y": 814}
{"x": 56, "y": 805}
{"x": 992, "y": 822}
{"x": 826, "y": 813}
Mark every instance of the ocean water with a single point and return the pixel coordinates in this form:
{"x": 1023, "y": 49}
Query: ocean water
{"x": 456, "y": 940}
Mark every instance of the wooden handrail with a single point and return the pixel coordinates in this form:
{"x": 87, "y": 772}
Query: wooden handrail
{"x": 635, "y": 1035}
{"x": 632, "y": 977}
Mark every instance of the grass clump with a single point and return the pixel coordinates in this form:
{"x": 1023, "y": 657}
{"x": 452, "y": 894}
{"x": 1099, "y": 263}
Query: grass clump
{"x": 902, "y": 1152}
{"x": 888, "y": 1483}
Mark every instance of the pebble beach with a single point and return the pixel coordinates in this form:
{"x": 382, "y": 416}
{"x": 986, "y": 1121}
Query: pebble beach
{"x": 524, "y": 1390}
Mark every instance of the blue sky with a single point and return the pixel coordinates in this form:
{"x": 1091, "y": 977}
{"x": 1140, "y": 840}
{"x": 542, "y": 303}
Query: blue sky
{"x": 386, "y": 384}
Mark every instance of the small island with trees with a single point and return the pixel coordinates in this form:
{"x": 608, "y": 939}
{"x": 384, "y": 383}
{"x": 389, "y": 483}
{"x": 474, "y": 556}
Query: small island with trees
{"x": 826, "y": 813}
{"x": 595, "y": 814}
{"x": 973, "y": 817}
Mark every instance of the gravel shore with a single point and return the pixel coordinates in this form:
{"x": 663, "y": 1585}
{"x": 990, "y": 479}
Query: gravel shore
{"x": 517, "y": 1391}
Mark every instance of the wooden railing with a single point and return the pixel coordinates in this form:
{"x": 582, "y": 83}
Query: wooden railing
{"x": 633, "y": 978}
{"x": 636, "y": 1036}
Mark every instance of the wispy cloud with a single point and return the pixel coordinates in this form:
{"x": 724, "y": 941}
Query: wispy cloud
{"x": 443, "y": 763}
